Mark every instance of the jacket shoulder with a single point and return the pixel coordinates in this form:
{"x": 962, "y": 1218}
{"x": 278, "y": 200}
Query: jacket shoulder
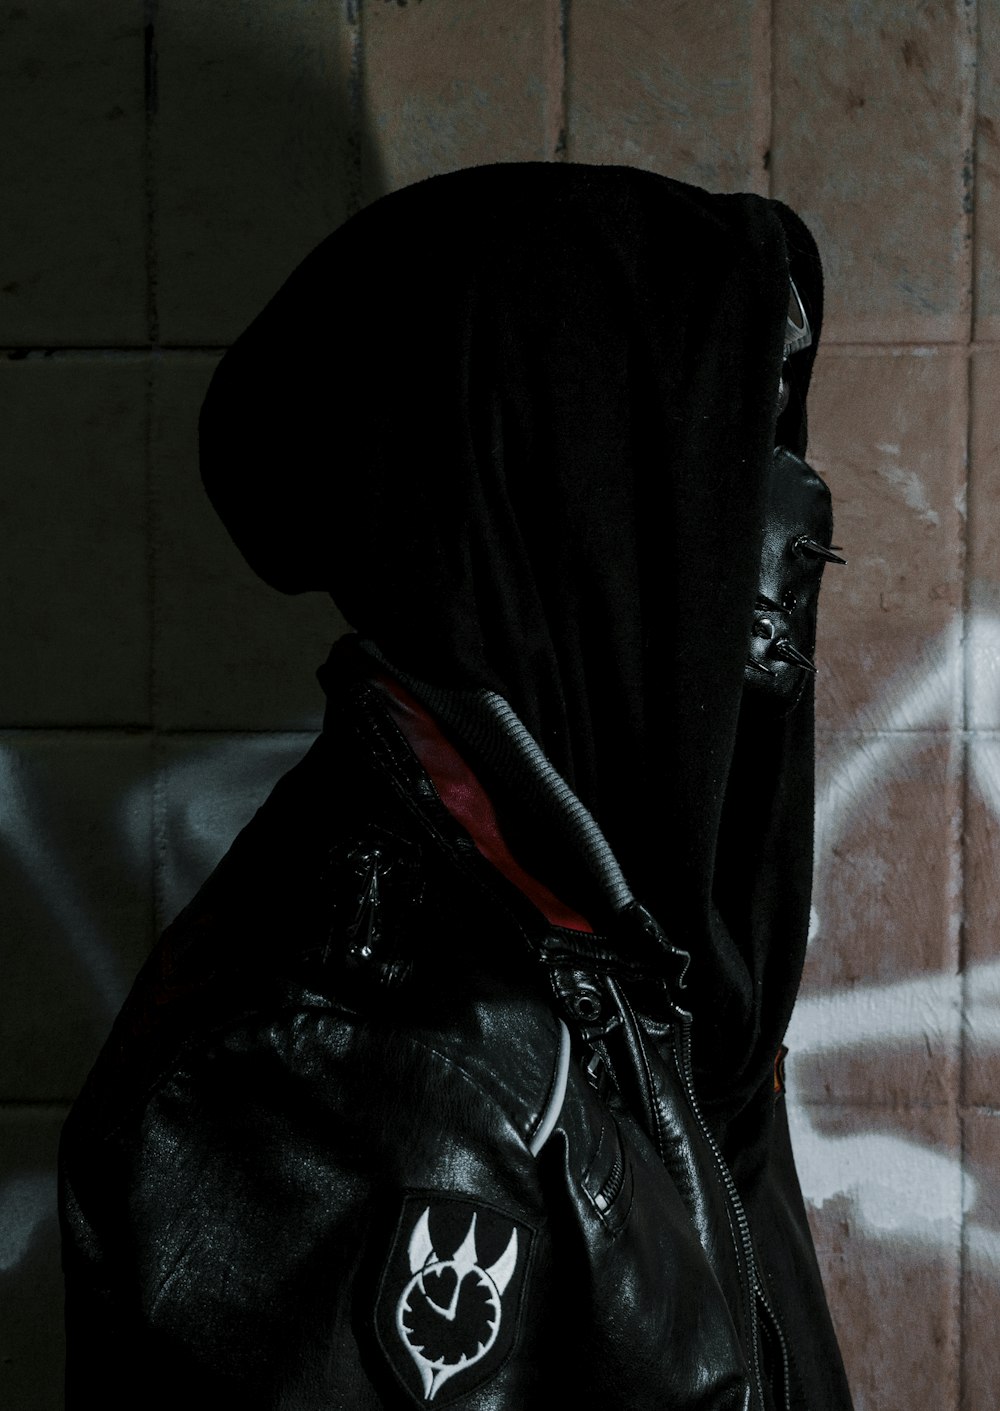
{"x": 330, "y": 915}
{"x": 241, "y": 1211}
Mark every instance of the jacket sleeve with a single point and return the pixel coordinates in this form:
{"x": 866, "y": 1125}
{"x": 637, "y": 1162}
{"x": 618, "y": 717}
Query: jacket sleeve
{"x": 304, "y": 1213}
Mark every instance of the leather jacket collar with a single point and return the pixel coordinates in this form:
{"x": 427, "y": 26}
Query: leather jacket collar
{"x": 615, "y": 934}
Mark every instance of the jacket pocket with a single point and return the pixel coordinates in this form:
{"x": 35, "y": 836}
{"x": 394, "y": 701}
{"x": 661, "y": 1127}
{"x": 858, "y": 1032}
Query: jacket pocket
{"x": 608, "y": 1182}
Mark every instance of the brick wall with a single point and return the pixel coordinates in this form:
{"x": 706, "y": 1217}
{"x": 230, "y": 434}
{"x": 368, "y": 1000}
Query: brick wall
{"x": 164, "y": 167}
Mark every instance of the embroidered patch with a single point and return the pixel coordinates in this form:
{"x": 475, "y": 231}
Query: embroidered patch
{"x": 449, "y": 1298}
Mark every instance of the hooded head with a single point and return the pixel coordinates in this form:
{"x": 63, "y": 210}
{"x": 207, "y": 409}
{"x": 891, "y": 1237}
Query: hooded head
{"x": 518, "y": 420}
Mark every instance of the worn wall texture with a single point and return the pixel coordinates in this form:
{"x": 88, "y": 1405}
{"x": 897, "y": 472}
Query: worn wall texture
{"x": 165, "y": 165}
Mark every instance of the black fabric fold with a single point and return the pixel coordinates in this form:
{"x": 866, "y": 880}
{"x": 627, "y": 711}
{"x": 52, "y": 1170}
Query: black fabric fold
{"x": 517, "y": 420}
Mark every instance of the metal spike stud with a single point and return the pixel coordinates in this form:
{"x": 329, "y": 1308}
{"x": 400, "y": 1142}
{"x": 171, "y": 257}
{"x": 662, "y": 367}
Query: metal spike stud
{"x": 759, "y": 666}
{"x": 804, "y": 545}
{"x": 787, "y": 651}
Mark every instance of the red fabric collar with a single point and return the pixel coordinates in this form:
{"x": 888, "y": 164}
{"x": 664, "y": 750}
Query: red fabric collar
{"x": 467, "y": 801}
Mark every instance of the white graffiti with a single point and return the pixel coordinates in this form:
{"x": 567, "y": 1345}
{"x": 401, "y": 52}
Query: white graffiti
{"x": 899, "y": 1190}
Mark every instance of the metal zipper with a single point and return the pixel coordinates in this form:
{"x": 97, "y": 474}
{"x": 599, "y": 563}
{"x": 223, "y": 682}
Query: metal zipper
{"x": 779, "y": 1333}
{"x": 686, "y": 1073}
{"x": 611, "y": 1187}
{"x": 752, "y": 1285}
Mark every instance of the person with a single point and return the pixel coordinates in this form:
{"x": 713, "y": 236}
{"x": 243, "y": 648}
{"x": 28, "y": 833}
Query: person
{"x": 459, "y": 1082}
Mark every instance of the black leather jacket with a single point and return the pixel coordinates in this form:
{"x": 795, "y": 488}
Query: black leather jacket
{"x": 384, "y": 1123}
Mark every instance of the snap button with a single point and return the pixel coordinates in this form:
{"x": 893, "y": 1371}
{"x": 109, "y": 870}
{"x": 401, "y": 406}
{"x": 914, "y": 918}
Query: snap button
{"x": 585, "y": 1005}
{"x": 580, "y": 995}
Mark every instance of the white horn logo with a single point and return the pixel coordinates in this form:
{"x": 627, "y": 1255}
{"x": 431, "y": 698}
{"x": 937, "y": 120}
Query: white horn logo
{"x": 430, "y": 1303}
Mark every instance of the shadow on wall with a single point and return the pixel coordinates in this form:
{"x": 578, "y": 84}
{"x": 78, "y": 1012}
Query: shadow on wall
{"x": 256, "y": 150}
{"x": 174, "y": 164}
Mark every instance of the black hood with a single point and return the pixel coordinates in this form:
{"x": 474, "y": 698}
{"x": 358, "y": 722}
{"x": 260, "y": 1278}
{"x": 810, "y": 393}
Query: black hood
{"x": 518, "y": 420}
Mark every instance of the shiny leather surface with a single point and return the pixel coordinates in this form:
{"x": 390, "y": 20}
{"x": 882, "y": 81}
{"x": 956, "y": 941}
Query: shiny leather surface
{"x": 357, "y": 1017}
{"x": 798, "y": 525}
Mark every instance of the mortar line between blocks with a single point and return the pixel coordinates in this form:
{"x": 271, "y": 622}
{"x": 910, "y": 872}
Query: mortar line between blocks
{"x": 766, "y": 137}
{"x": 355, "y": 106}
{"x": 556, "y": 68}
{"x": 151, "y": 104}
{"x": 971, "y": 117}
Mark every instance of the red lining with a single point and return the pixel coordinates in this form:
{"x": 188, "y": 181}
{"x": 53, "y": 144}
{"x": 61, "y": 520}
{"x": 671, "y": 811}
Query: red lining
{"x": 467, "y": 801}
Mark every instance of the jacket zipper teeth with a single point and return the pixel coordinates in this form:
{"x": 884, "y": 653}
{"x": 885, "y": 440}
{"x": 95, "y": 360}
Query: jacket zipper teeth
{"x": 687, "y": 1078}
{"x": 779, "y": 1332}
{"x": 611, "y": 1189}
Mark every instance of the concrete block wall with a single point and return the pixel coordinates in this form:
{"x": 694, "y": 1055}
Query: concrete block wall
{"x": 164, "y": 166}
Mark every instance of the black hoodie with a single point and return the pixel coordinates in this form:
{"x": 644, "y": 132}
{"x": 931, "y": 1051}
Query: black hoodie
{"x": 519, "y": 421}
